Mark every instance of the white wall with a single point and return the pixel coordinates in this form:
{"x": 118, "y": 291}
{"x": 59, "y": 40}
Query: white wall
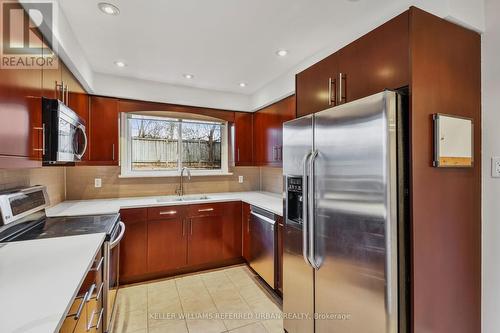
{"x": 491, "y": 186}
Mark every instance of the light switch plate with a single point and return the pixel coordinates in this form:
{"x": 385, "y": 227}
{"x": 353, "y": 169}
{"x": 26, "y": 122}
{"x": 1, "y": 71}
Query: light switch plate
{"x": 495, "y": 167}
{"x": 97, "y": 182}
{"x": 240, "y": 179}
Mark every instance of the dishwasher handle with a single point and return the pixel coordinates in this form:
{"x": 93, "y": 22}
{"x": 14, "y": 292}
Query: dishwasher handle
{"x": 262, "y": 217}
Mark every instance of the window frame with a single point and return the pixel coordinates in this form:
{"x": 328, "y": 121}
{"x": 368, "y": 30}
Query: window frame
{"x": 125, "y": 143}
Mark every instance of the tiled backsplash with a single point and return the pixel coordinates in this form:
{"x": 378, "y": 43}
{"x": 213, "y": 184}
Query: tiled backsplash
{"x": 80, "y": 183}
{"x": 52, "y": 177}
{"x": 271, "y": 179}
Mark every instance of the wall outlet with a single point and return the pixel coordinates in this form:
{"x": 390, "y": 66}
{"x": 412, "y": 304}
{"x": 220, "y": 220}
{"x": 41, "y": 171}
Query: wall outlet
{"x": 97, "y": 182}
{"x": 495, "y": 167}
{"x": 240, "y": 179}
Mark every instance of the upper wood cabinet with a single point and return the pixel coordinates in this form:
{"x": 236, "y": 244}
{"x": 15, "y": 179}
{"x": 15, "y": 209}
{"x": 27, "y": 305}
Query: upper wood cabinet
{"x": 20, "y": 114}
{"x": 379, "y": 60}
{"x": 243, "y": 138}
{"x": 268, "y": 131}
{"x": 316, "y": 86}
{"x": 104, "y": 117}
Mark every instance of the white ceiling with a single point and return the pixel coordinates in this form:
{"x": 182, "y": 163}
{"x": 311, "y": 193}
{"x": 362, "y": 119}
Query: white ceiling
{"x": 220, "y": 42}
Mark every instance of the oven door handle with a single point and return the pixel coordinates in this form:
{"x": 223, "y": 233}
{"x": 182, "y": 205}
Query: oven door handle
{"x": 117, "y": 240}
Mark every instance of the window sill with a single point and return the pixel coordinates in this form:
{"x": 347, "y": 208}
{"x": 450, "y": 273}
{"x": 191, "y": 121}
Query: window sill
{"x": 174, "y": 175}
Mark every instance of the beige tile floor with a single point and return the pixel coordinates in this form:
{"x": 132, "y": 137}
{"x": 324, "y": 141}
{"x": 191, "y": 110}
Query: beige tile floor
{"x": 226, "y": 300}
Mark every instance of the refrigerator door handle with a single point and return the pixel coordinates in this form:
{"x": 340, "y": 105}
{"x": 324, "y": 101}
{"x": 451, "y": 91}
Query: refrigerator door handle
{"x": 311, "y": 223}
{"x": 305, "y": 210}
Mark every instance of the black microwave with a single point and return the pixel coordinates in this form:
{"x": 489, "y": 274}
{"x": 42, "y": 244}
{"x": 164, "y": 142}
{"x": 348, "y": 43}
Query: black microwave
{"x": 65, "y": 140}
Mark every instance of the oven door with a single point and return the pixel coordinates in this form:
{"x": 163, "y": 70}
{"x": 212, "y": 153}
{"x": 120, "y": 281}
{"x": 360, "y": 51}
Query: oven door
{"x": 112, "y": 272}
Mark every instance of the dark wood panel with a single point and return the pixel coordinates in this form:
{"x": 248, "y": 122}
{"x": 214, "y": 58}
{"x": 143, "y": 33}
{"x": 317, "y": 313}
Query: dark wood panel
{"x": 205, "y": 239}
{"x": 167, "y": 244}
{"x": 314, "y": 91}
{"x": 209, "y": 209}
{"x": 166, "y": 212}
{"x": 134, "y": 245}
{"x": 245, "y": 221}
{"x": 446, "y": 203}
{"x": 52, "y": 75}
{"x": 379, "y": 60}
{"x": 243, "y": 123}
{"x": 20, "y": 114}
{"x": 104, "y": 130}
{"x": 231, "y": 231}
{"x": 134, "y": 106}
{"x": 268, "y": 131}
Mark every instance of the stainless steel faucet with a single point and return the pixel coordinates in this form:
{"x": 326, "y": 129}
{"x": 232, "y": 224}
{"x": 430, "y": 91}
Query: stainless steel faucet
{"x": 180, "y": 191}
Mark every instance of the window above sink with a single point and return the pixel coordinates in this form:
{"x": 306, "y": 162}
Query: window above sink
{"x": 152, "y": 145}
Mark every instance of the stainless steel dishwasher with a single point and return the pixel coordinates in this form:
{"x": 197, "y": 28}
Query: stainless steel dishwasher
{"x": 262, "y": 243}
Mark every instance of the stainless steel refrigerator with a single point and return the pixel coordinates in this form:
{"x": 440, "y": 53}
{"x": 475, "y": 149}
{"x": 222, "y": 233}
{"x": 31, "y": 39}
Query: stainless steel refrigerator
{"x": 346, "y": 184}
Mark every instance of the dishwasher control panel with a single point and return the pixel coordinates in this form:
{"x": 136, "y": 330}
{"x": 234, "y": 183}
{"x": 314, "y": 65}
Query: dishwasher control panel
{"x": 294, "y": 199}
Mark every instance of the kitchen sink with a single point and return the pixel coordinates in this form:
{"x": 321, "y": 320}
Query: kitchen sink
{"x": 183, "y": 198}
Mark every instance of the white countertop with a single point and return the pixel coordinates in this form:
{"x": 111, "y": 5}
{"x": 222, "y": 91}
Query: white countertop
{"x": 266, "y": 200}
{"x": 39, "y": 279}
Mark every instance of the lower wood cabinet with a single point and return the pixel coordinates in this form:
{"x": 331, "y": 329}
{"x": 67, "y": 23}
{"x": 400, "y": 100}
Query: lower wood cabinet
{"x": 134, "y": 245}
{"x": 163, "y": 240}
{"x": 205, "y": 239}
{"x": 167, "y": 239}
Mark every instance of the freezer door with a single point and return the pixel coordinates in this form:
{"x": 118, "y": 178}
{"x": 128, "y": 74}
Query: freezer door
{"x": 355, "y": 217}
{"x": 298, "y": 276}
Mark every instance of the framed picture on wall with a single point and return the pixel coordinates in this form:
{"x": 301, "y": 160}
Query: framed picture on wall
{"x": 453, "y": 141}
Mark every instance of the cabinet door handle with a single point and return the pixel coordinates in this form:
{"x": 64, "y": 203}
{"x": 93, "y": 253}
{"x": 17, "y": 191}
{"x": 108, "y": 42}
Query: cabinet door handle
{"x": 205, "y": 210}
{"x": 184, "y": 228}
{"x": 98, "y": 266}
{"x": 169, "y": 212}
{"x": 332, "y": 89}
{"x": 113, "y": 151}
{"x": 99, "y": 293}
{"x": 191, "y": 227}
{"x": 238, "y": 154}
{"x": 342, "y": 91}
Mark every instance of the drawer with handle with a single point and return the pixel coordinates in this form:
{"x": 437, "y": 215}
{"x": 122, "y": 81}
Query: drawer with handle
{"x": 210, "y": 209}
{"x": 165, "y": 212}
{"x": 86, "y": 311}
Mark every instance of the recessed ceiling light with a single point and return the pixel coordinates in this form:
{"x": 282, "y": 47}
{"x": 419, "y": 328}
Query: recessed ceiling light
{"x": 108, "y": 8}
{"x": 120, "y": 64}
{"x": 188, "y": 76}
{"x": 243, "y": 84}
{"x": 282, "y": 53}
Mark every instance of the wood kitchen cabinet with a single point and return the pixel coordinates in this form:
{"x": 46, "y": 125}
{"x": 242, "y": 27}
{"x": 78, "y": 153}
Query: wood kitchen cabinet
{"x": 20, "y": 114}
{"x": 134, "y": 245}
{"x": 231, "y": 231}
{"x": 316, "y": 86}
{"x": 243, "y": 138}
{"x": 379, "y": 60}
{"x": 167, "y": 239}
{"x": 104, "y": 130}
{"x": 245, "y": 222}
{"x": 205, "y": 239}
{"x": 268, "y": 131}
